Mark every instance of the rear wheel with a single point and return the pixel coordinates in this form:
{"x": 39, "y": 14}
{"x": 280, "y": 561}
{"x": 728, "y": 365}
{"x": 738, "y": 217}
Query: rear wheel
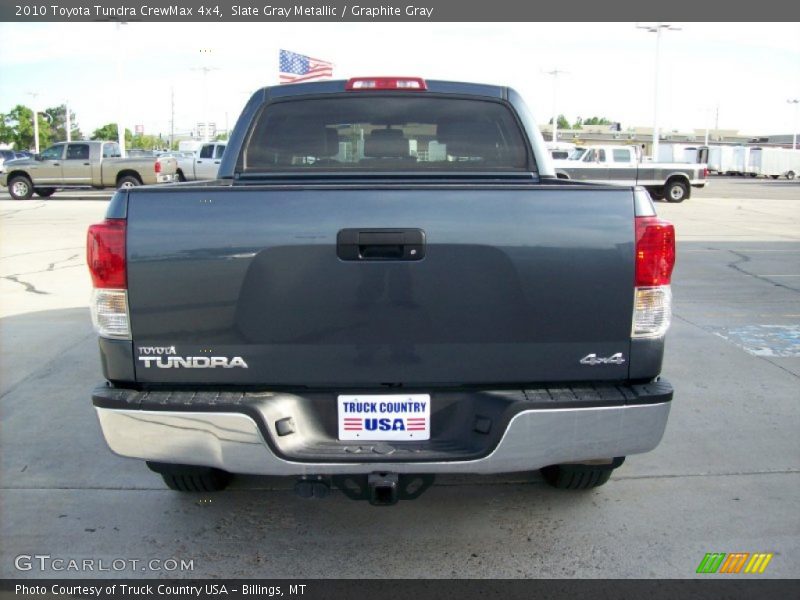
{"x": 676, "y": 191}
{"x": 20, "y": 188}
{"x": 188, "y": 478}
{"x": 181, "y": 176}
{"x": 127, "y": 182}
{"x": 44, "y": 192}
{"x": 580, "y": 476}
{"x": 790, "y": 175}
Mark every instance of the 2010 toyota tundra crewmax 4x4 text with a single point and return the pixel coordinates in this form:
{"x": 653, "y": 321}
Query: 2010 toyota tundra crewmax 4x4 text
{"x": 386, "y": 282}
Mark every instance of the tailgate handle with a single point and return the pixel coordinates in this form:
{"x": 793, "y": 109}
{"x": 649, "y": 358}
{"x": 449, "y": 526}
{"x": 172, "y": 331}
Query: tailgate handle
{"x": 380, "y": 244}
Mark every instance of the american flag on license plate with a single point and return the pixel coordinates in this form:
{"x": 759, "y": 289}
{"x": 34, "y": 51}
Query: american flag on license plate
{"x": 353, "y": 424}
{"x": 415, "y": 424}
{"x": 294, "y": 67}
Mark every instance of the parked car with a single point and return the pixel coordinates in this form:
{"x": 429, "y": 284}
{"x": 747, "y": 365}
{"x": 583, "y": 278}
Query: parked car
{"x": 386, "y": 281}
{"x": 95, "y": 164}
{"x": 6, "y": 156}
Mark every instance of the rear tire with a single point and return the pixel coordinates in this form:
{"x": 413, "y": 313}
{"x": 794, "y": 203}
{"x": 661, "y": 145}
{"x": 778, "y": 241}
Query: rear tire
{"x": 188, "y": 478}
{"x": 128, "y": 182}
{"x": 790, "y": 175}
{"x": 20, "y": 188}
{"x": 181, "y": 177}
{"x": 676, "y": 191}
{"x": 44, "y": 192}
{"x": 579, "y": 476}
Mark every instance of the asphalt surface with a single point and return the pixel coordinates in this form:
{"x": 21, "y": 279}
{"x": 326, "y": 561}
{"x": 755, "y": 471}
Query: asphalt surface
{"x": 726, "y": 477}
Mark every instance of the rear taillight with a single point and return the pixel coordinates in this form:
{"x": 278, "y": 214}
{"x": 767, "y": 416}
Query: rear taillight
{"x": 105, "y": 255}
{"x": 385, "y": 83}
{"x": 655, "y": 251}
{"x": 158, "y": 167}
{"x": 655, "y": 259}
{"x": 705, "y": 173}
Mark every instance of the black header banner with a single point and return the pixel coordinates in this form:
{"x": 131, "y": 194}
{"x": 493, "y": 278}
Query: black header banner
{"x": 392, "y": 10}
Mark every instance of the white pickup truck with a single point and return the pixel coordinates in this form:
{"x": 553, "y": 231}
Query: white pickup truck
{"x": 620, "y": 165}
{"x": 202, "y": 164}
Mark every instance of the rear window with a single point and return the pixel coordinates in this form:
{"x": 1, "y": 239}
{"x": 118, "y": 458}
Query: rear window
{"x": 385, "y": 133}
{"x": 623, "y": 155}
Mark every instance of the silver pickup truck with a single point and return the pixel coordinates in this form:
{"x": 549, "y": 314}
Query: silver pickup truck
{"x": 203, "y": 164}
{"x": 620, "y": 165}
{"x": 83, "y": 164}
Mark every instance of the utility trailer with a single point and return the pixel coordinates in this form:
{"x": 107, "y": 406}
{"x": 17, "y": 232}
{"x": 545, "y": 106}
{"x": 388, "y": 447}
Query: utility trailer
{"x": 774, "y": 162}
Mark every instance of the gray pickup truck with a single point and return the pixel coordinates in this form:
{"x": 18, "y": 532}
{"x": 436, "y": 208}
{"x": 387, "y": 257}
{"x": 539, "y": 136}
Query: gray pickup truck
{"x": 83, "y": 164}
{"x": 620, "y": 165}
{"x": 386, "y": 282}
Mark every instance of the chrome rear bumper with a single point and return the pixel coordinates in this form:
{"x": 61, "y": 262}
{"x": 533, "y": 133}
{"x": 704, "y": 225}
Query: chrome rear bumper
{"x": 532, "y": 439}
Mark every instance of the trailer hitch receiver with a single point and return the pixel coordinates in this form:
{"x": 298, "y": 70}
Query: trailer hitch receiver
{"x": 383, "y": 489}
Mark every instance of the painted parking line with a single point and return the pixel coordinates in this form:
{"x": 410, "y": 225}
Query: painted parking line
{"x": 765, "y": 340}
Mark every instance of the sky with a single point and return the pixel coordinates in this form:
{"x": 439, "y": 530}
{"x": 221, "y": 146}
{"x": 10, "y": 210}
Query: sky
{"x": 747, "y": 70}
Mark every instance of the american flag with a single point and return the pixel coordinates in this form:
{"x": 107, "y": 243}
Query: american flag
{"x": 295, "y": 67}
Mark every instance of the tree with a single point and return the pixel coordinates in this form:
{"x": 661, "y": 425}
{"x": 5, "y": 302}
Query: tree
{"x": 147, "y": 142}
{"x": 17, "y": 128}
{"x": 58, "y": 123}
{"x": 562, "y": 122}
{"x": 597, "y": 121}
{"x": 109, "y": 132}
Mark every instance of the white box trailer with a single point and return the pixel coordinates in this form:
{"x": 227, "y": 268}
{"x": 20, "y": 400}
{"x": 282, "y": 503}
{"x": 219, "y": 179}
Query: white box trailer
{"x": 671, "y": 153}
{"x": 681, "y": 153}
{"x": 695, "y": 155}
{"x": 741, "y": 161}
{"x": 721, "y": 159}
{"x": 775, "y": 162}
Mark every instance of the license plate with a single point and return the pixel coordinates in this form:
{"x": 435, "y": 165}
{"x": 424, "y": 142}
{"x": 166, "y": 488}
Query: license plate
{"x": 385, "y": 417}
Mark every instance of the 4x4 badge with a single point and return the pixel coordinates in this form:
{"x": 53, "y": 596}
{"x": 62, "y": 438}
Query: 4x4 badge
{"x": 594, "y": 360}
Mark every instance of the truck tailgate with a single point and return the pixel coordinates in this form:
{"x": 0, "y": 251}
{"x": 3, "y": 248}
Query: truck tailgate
{"x": 518, "y": 283}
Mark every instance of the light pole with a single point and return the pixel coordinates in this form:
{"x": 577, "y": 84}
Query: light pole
{"x": 555, "y": 73}
{"x": 68, "y": 123}
{"x": 708, "y": 118}
{"x": 35, "y": 109}
{"x": 657, "y": 29}
{"x": 796, "y": 102}
{"x": 120, "y": 95}
{"x": 206, "y": 52}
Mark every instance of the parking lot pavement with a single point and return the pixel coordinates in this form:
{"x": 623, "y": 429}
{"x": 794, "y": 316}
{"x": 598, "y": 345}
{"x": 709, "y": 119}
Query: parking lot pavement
{"x": 725, "y": 478}
{"x": 731, "y": 186}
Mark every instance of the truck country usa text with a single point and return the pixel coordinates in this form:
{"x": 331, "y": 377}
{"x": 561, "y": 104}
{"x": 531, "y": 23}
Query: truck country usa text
{"x": 384, "y": 407}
